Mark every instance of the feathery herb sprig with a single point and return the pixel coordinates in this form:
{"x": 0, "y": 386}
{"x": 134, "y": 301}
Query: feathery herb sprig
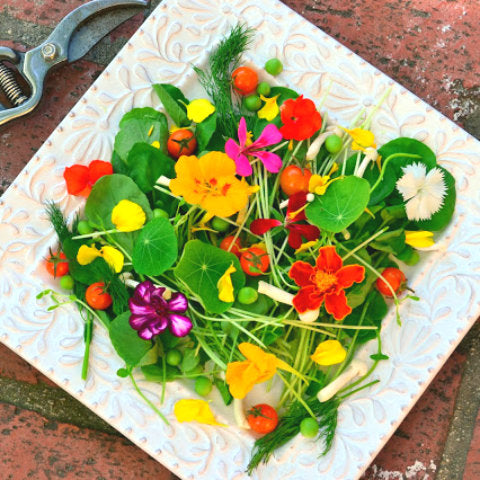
{"x": 216, "y": 79}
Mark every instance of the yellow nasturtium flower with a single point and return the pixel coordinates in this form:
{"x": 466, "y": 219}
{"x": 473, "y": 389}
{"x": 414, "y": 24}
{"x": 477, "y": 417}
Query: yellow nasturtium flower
{"x": 329, "y": 352}
{"x": 270, "y": 110}
{"x": 225, "y": 285}
{"x": 111, "y": 255}
{"x": 198, "y": 110}
{"x": 190, "y": 409}
{"x": 419, "y": 239}
{"x": 128, "y": 216}
{"x": 362, "y": 139}
{"x": 257, "y": 368}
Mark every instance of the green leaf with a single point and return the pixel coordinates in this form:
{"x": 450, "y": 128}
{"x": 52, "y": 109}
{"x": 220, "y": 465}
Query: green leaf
{"x": 409, "y": 255}
{"x": 343, "y": 202}
{"x": 224, "y": 391}
{"x": 172, "y": 107}
{"x": 190, "y": 360}
{"x": 155, "y": 373}
{"x": 105, "y": 195}
{"x": 156, "y": 248}
{"x": 129, "y": 346}
{"x": 135, "y": 127}
{"x": 201, "y": 266}
{"x": 284, "y": 94}
{"x": 205, "y": 130}
{"x": 119, "y": 166}
{"x": 145, "y": 165}
{"x": 379, "y": 356}
{"x": 390, "y": 241}
{"x": 376, "y": 311}
{"x": 442, "y": 218}
{"x": 176, "y": 94}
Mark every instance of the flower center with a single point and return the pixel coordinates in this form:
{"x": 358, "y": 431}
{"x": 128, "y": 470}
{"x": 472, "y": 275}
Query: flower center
{"x": 324, "y": 281}
{"x": 212, "y": 187}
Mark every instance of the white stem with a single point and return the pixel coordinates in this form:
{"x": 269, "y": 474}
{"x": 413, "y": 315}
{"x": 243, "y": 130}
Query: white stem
{"x": 316, "y": 145}
{"x": 163, "y": 180}
{"x": 284, "y": 203}
{"x": 309, "y": 316}
{"x": 355, "y": 369}
{"x": 310, "y": 198}
{"x": 239, "y": 414}
{"x": 371, "y": 155}
{"x": 130, "y": 282}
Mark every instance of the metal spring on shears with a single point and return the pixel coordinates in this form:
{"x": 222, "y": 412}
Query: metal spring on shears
{"x": 10, "y": 86}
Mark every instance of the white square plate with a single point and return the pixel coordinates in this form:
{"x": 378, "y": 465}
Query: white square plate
{"x": 177, "y": 35}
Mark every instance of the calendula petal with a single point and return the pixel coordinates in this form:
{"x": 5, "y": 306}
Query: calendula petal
{"x": 362, "y": 139}
{"x": 128, "y": 216}
{"x": 86, "y": 254}
{"x": 329, "y": 352}
{"x": 225, "y": 285}
{"x": 419, "y": 239}
{"x": 198, "y": 110}
{"x": 270, "y": 110}
{"x": 113, "y": 257}
{"x": 190, "y": 410}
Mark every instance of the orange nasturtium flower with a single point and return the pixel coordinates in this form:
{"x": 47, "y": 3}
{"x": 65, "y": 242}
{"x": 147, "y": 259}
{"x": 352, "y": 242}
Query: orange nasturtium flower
{"x": 210, "y": 181}
{"x": 257, "y": 368}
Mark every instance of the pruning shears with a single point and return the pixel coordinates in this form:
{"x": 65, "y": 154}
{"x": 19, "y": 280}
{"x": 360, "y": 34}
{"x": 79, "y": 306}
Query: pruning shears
{"x": 73, "y": 37}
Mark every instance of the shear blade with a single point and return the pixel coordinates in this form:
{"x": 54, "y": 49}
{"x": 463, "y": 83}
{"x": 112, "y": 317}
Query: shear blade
{"x": 94, "y": 29}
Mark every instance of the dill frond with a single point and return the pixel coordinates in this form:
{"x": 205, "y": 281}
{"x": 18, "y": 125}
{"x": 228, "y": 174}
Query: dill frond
{"x": 217, "y": 81}
{"x": 58, "y": 221}
{"x": 289, "y": 426}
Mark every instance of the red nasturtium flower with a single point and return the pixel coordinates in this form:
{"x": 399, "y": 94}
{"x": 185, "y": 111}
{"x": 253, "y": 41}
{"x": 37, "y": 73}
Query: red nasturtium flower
{"x": 300, "y": 119}
{"x": 80, "y": 178}
{"x": 325, "y": 282}
{"x": 295, "y": 214}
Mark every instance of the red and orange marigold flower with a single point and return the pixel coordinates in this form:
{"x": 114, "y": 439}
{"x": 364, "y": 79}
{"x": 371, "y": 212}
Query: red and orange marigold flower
{"x": 325, "y": 283}
{"x": 300, "y": 119}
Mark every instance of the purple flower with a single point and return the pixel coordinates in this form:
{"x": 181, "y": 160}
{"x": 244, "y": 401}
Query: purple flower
{"x": 240, "y": 152}
{"x": 152, "y": 314}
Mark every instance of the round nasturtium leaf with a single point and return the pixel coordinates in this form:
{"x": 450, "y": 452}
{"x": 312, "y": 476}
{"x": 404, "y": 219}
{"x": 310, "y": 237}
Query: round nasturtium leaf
{"x": 342, "y": 203}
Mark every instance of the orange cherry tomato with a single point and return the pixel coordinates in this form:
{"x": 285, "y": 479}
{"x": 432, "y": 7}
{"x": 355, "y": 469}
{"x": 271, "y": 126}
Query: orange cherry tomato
{"x": 395, "y": 277}
{"x": 97, "y": 297}
{"x": 55, "y": 264}
{"x": 294, "y": 180}
{"x": 254, "y": 261}
{"x": 181, "y": 142}
{"x": 262, "y": 418}
{"x": 237, "y": 245}
{"x": 245, "y": 80}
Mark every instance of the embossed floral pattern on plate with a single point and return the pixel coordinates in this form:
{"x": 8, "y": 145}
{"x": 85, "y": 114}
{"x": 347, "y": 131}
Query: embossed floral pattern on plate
{"x": 177, "y": 35}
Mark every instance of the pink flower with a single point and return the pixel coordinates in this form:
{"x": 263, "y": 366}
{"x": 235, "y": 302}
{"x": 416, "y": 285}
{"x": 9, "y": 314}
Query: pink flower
{"x": 240, "y": 153}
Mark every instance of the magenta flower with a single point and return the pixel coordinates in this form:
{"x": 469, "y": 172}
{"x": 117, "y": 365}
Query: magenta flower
{"x": 240, "y": 153}
{"x": 152, "y": 314}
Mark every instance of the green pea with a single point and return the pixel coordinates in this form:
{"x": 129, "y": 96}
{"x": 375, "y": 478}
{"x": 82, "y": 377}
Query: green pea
{"x": 66, "y": 282}
{"x": 247, "y": 295}
{"x": 219, "y": 224}
{"x": 333, "y": 143}
{"x": 274, "y": 66}
{"x": 309, "y": 427}
{"x": 174, "y": 357}
{"x": 159, "y": 213}
{"x": 84, "y": 228}
{"x": 252, "y": 103}
{"x": 203, "y": 386}
{"x": 263, "y": 88}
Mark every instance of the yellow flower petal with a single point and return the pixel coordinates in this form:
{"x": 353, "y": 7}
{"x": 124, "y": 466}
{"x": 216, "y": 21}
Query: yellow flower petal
{"x": 198, "y": 110}
{"x": 318, "y": 184}
{"x": 113, "y": 257}
{"x": 270, "y": 110}
{"x": 156, "y": 144}
{"x": 86, "y": 254}
{"x": 362, "y": 139}
{"x": 305, "y": 246}
{"x": 420, "y": 239}
{"x": 225, "y": 285}
{"x": 128, "y": 216}
{"x": 190, "y": 410}
{"x": 329, "y": 352}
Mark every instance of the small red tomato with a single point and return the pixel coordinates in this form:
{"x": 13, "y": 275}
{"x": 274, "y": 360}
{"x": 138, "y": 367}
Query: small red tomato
{"x": 181, "y": 142}
{"x": 294, "y": 180}
{"x": 237, "y": 245}
{"x": 245, "y": 80}
{"x": 56, "y": 264}
{"x": 254, "y": 261}
{"x": 97, "y": 297}
{"x": 262, "y": 418}
{"x": 395, "y": 278}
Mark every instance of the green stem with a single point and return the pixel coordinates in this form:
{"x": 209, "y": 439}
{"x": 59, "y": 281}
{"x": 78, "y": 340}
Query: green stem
{"x": 95, "y": 234}
{"x": 146, "y": 400}
{"x": 88, "y": 332}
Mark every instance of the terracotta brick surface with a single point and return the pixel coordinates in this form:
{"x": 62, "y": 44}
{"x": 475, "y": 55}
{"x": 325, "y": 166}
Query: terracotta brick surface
{"x": 32, "y": 447}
